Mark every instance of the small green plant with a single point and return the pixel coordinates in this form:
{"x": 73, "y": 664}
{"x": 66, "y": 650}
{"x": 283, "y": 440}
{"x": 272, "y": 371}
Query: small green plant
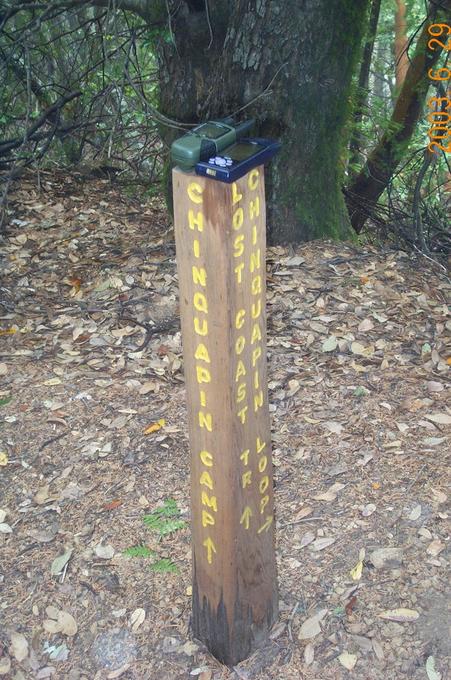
{"x": 361, "y": 391}
{"x": 164, "y": 565}
{"x": 139, "y": 551}
{"x": 164, "y": 520}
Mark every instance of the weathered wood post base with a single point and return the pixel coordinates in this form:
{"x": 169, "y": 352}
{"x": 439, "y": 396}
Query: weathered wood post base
{"x": 220, "y": 241}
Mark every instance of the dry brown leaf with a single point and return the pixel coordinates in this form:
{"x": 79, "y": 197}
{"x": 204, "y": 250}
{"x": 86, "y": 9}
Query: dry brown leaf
{"x": 402, "y": 615}
{"x": 137, "y": 618}
{"x": 348, "y": 660}
{"x": 67, "y": 624}
{"x": 19, "y": 646}
{"x": 5, "y": 665}
{"x": 331, "y": 493}
{"x": 154, "y": 427}
{"x": 439, "y": 418}
{"x": 311, "y": 628}
{"x": 366, "y": 325}
{"x": 435, "y": 547}
{"x": 309, "y": 654}
{"x": 322, "y": 543}
{"x": 333, "y": 426}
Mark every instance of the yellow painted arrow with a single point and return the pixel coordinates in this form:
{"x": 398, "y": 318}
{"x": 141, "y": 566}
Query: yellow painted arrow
{"x": 266, "y": 525}
{"x": 208, "y": 543}
{"x": 246, "y": 516}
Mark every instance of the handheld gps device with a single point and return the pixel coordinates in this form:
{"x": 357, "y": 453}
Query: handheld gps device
{"x": 238, "y": 159}
{"x": 206, "y": 140}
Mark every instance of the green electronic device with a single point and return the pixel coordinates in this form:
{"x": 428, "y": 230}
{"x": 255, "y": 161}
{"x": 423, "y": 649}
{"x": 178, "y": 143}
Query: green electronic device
{"x": 206, "y": 140}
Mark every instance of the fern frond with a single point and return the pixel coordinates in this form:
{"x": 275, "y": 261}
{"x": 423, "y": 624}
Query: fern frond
{"x": 168, "y": 509}
{"x": 164, "y": 565}
{"x": 138, "y": 551}
{"x": 171, "y": 525}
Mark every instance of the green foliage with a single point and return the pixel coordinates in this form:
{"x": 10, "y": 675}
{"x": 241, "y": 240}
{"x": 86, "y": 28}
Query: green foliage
{"x": 164, "y": 565}
{"x": 361, "y": 391}
{"x": 164, "y": 520}
{"x": 138, "y": 551}
{"x": 110, "y": 58}
{"x": 5, "y": 401}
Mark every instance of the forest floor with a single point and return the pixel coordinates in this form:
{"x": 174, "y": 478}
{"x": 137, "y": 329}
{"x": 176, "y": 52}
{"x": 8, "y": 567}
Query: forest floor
{"x": 91, "y": 358}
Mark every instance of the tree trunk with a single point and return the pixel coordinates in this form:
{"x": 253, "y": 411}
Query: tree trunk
{"x": 291, "y": 63}
{"x": 401, "y": 44}
{"x": 357, "y": 141}
{"x": 370, "y": 183}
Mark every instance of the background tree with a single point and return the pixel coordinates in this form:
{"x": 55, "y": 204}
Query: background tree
{"x": 401, "y": 43}
{"x": 369, "y": 185}
{"x": 289, "y": 64}
{"x": 110, "y": 83}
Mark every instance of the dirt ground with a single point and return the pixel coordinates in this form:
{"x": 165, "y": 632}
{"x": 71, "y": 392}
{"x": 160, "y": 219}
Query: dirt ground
{"x": 90, "y": 360}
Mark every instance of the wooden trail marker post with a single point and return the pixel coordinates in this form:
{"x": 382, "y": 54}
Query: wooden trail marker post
{"x": 220, "y": 236}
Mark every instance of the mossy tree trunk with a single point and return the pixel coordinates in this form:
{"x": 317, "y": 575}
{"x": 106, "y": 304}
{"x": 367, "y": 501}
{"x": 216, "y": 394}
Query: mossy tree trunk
{"x": 292, "y": 63}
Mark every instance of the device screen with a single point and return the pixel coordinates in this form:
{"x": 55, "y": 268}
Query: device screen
{"x": 211, "y": 130}
{"x": 241, "y": 151}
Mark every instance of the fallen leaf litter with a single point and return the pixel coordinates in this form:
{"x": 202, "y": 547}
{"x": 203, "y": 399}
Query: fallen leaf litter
{"x": 94, "y": 435}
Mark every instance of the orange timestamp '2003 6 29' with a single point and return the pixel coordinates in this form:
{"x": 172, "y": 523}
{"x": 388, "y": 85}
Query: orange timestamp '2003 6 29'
{"x": 440, "y": 116}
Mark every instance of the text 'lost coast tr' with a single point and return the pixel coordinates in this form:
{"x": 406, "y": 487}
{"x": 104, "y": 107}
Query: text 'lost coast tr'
{"x": 217, "y": 149}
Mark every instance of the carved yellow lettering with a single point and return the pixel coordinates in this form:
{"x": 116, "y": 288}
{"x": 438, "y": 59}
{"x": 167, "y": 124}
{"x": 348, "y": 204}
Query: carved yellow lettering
{"x": 242, "y": 415}
{"x": 256, "y": 309}
{"x": 196, "y": 248}
{"x": 194, "y": 221}
{"x": 255, "y": 260}
{"x": 254, "y": 235}
{"x": 200, "y": 302}
{"x": 238, "y": 271}
{"x": 256, "y": 334}
{"x": 260, "y": 445}
{"x": 210, "y": 501}
{"x": 203, "y": 375}
{"x": 256, "y": 354}
{"x": 239, "y": 318}
{"x": 264, "y": 483}
{"x": 241, "y": 393}
{"x": 200, "y": 329}
{"x": 254, "y": 208}
{"x": 246, "y": 517}
{"x": 238, "y": 218}
{"x": 207, "y": 519}
{"x": 201, "y": 353}
{"x": 246, "y": 479}
{"x": 239, "y": 344}
{"x": 205, "y": 420}
{"x": 206, "y": 480}
{"x": 252, "y": 180}
{"x": 236, "y": 196}
{"x": 266, "y": 525}
{"x": 245, "y": 456}
{"x": 206, "y": 458}
{"x": 211, "y": 548}
{"x": 200, "y": 275}
{"x": 258, "y": 400}
{"x": 256, "y": 285}
{"x": 195, "y": 192}
{"x": 263, "y": 503}
{"x": 240, "y": 370}
{"x": 238, "y": 245}
{"x": 262, "y": 463}
{"x": 203, "y": 398}
{"x": 256, "y": 380}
